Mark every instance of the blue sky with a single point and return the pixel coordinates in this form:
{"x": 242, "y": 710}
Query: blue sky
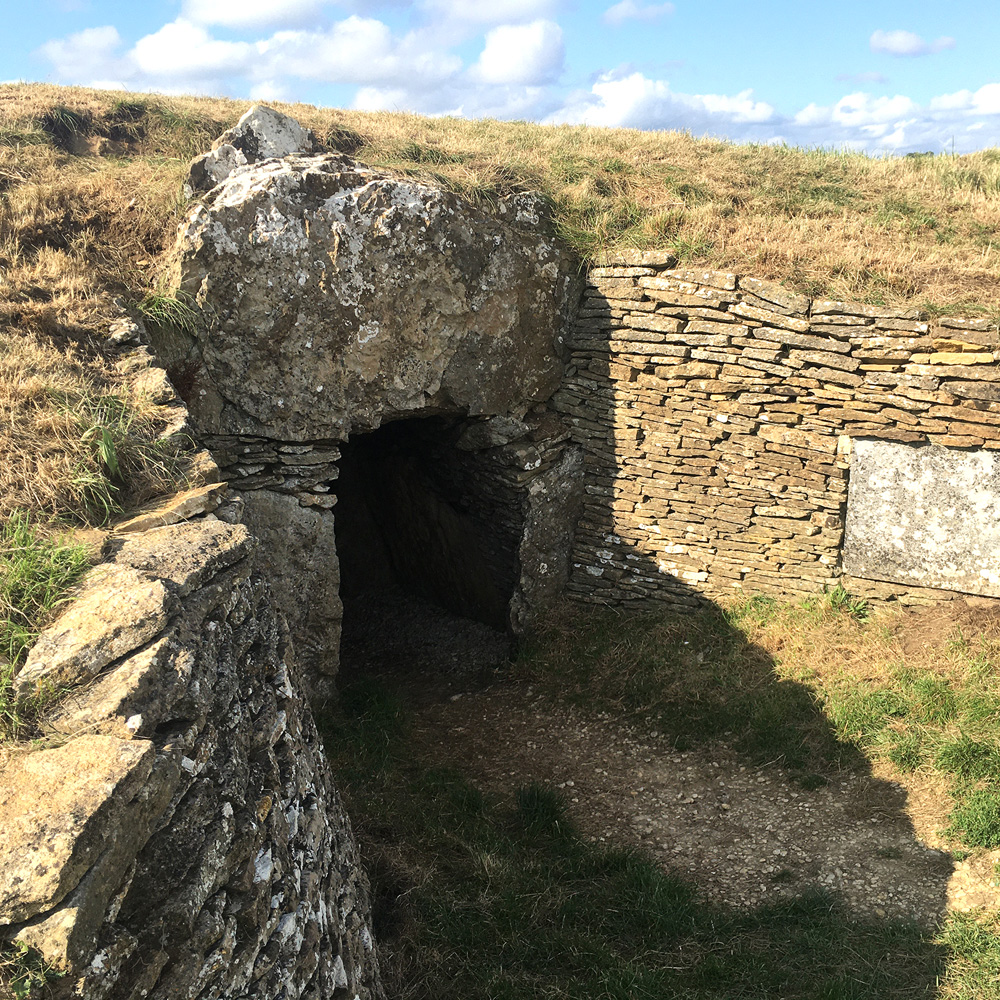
{"x": 883, "y": 75}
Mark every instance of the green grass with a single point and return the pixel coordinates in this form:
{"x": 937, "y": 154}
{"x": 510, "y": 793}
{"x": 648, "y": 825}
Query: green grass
{"x": 484, "y": 897}
{"x": 22, "y": 135}
{"x": 973, "y": 945}
{"x": 507, "y": 898}
{"x": 505, "y": 894}
{"x": 166, "y": 310}
{"x": 128, "y": 460}
{"x": 37, "y": 571}
{"x": 710, "y": 676}
{"x": 839, "y": 600}
{"x": 976, "y": 818}
{"x": 945, "y": 726}
{"x": 23, "y": 973}
{"x": 62, "y": 125}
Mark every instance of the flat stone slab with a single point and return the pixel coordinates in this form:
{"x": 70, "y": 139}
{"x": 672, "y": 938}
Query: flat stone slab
{"x": 181, "y": 506}
{"x": 55, "y": 806}
{"x": 924, "y": 516}
{"x": 117, "y": 611}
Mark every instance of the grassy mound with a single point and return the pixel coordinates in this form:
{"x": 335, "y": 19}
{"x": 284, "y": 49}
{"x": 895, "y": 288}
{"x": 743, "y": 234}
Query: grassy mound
{"x": 918, "y": 230}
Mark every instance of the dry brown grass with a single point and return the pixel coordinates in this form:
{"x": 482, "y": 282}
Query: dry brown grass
{"x": 919, "y": 230}
{"x": 75, "y": 230}
{"x": 90, "y": 196}
{"x": 79, "y": 442}
{"x": 818, "y": 645}
{"x": 76, "y": 233}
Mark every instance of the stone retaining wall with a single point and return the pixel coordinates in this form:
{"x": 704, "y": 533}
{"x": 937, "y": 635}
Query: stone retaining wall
{"x": 178, "y": 833}
{"x": 717, "y": 414}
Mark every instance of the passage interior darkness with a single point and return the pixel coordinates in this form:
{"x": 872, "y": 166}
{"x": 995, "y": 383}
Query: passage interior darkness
{"x": 427, "y": 540}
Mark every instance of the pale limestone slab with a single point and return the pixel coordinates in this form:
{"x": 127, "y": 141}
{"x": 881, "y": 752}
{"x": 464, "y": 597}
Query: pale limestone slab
{"x": 924, "y": 516}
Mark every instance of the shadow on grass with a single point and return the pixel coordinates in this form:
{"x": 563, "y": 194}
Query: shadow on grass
{"x": 694, "y": 677}
{"x": 489, "y": 898}
{"x": 480, "y": 897}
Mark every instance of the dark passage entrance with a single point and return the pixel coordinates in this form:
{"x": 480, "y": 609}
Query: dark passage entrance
{"x": 427, "y": 537}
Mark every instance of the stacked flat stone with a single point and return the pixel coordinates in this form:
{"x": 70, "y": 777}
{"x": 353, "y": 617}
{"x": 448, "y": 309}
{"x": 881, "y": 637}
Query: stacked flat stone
{"x": 306, "y": 470}
{"x": 181, "y": 835}
{"x": 717, "y": 411}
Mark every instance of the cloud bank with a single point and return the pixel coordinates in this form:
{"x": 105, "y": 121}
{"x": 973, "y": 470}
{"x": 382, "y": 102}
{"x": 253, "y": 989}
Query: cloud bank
{"x": 964, "y": 120}
{"x": 504, "y": 60}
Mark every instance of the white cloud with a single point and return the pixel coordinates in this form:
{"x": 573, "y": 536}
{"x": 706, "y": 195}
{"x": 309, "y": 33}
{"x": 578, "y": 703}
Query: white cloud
{"x": 742, "y": 107}
{"x": 251, "y": 13}
{"x": 630, "y": 10}
{"x": 269, "y": 90}
{"x": 181, "y": 50}
{"x": 859, "y": 111}
{"x": 182, "y": 56}
{"x": 81, "y": 57}
{"x": 906, "y": 43}
{"x": 521, "y": 54}
{"x": 457, "y": 98}
{"x": 356, "y": 50}
{"x": 863, "y": 109}
{"x": 961, "y": 100}
{"x": 812, "y": 114}
{"x": 985, "y": 101}
{"x": 635, "y": 101}
{"x": 898, "y": 124}
{"x": 420, "y": 71}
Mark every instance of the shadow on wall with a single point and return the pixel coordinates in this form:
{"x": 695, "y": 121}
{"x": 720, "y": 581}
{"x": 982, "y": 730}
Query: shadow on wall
{"x": 697, "y": 679}
{"x": 828, "y": 845}
{"x": 409, "y": 513}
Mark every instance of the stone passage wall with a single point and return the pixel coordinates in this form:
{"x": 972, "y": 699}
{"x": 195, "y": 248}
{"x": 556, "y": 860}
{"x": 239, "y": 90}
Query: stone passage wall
{"x": 334, "y": 299}
{"x": 717, "y": 414}
{"x": 179, "y": 835}
{"x": 522, "y": 474}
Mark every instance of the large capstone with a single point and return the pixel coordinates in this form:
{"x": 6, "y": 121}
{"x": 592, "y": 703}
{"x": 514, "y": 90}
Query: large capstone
{"x": 334, "y": 297}
{"x": 333, "y": 300}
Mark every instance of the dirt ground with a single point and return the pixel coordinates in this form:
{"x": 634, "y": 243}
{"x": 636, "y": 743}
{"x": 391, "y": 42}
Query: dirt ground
{"x": 745, "y": 834}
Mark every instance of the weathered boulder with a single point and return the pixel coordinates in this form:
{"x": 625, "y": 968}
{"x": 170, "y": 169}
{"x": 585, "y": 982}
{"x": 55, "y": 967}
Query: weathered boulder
{"x": 260, "y": 134}
{"x": 334, "y": 297}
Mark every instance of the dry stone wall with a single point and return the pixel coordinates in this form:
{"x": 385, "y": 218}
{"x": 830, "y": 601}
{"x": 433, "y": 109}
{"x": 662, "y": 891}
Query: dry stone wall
{"x": 717, "y": 414}
{"x": 176, "y": 832}
{"x": 180, "y": 834}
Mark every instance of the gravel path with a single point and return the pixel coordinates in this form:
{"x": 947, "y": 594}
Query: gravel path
{"x": 744, "y": 834}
